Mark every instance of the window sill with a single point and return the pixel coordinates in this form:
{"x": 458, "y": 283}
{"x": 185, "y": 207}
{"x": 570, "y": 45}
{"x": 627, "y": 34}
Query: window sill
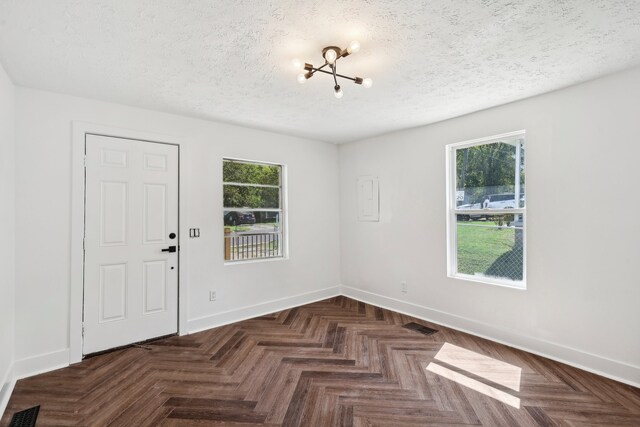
{"x": 255, "y": 261}
{"x": 521, "y": 286}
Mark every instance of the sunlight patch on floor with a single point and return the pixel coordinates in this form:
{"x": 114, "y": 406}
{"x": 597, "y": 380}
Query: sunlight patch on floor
{"x": 493, "y": 370}
{"x": 483, "y": 366}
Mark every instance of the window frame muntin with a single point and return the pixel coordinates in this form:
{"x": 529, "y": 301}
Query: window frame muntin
{"x": 452, "y": 212}
{"x": 282, "y": 211}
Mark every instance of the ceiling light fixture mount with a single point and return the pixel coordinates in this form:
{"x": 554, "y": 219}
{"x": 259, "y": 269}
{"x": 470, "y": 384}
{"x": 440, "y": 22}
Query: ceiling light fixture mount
{"x": 331, "y": 55}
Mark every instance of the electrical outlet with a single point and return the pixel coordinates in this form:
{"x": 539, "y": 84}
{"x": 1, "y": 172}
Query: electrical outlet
{"x": 212, "y": 295}
{"x": 403, "y": 287}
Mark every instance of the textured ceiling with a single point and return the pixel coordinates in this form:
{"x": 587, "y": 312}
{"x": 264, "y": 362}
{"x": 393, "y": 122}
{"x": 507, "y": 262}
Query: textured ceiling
{"x": 231, "y": 60}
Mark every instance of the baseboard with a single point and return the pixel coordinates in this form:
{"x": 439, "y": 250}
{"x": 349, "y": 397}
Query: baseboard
{"x": 6, "y": 388}
{"x": 41, "y": 363}
{"x": 616, "y": 370}
{"x": 231, "y": 316}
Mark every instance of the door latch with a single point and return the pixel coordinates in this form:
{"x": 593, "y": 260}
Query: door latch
{"x": 169, "y": 249}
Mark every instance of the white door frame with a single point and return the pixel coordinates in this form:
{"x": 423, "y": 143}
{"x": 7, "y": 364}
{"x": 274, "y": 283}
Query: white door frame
{"x": 78, "y": 133}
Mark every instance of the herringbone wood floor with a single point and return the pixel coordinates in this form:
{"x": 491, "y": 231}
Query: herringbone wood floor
{"x": 334, "y": 362}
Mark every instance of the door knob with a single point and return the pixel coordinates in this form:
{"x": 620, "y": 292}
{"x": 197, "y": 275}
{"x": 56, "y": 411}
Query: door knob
{"x": 169, "y": 249}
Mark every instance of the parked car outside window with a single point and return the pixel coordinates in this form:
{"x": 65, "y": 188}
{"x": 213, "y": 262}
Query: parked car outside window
{"x": 470, "y": 217}
{"x": 502, "y": 201}
{"x": 237, "y": 218}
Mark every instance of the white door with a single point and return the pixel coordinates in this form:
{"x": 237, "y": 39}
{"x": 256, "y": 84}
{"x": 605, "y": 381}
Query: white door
{"x": 131, "y": 221}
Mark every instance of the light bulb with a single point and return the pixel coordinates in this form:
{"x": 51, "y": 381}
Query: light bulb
{"x": 330, "y": 56}
{"x": 367, "y": 82}
{"x": 301, "y": 78}
{"x": 338, "y": 92}
{"x": 297, "y": 64}
{"x": 354, "y": 46}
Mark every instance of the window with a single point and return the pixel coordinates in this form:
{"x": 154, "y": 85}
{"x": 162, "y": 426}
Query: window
{"x": 486, "y": 203}
{"x": 253, "y": 210}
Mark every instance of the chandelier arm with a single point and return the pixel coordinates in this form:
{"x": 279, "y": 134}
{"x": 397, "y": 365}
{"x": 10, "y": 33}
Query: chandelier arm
{"x": 313, "y": 70}
{"x": 353, "y": 79}
{"x": 333, "y": 68}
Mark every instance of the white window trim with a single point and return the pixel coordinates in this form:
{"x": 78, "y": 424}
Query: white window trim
{"x": 452, "y": 248}
{"x": 284, "y": 220}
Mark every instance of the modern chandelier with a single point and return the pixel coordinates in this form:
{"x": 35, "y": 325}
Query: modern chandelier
{"x": 331, "y": 55}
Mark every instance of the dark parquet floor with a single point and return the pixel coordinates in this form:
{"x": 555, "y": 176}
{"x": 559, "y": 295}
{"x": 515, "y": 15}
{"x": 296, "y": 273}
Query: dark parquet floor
{"x": 335, "y": 362}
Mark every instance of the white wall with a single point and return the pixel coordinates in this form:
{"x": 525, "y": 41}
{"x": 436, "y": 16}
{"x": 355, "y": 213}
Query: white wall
{"x": 583, "y": 162}
{"x": 43, "y": 182}
{"x": 7, "y": 284}
{"x": 581, "y": 304}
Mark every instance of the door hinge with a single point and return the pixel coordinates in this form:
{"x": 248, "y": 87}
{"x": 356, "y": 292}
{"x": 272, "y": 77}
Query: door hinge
{"x": 84, "y": 161}
{"x": 83, "y": 330}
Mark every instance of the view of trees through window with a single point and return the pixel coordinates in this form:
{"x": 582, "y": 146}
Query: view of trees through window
{"x": 489, "y": 209}
{"x": 252, "y": 214}
{"x": 489, "y": 169}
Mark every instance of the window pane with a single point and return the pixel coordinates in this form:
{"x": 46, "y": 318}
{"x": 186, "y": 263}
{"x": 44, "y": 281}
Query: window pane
{"x": 254, "y": 221}
{"x": 486, "y": 175}
{"x": 236, "y": 196}
{"x": 252, "y": 235}
{"x": 491, "y": 246}
{"x": 252, "y": 213}
{"x": 250, "y": 173}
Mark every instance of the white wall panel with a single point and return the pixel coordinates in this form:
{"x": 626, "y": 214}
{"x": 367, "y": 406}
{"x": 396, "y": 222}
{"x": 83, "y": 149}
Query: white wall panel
{"x": 154, "y": 216}
{"x": 580, "y": 284}
{"x": 7, "y": 219}
{"x": 368, "y": 198}
{"x": 154, "y": 284}
{"x": 113, "y": 213}
{"x": 113, "y": 158}
{"x": 44, "y": 144}
{"x": 113, "y": 292}
{"x": 155, "y": 162}
{"x": 582, "y": 166}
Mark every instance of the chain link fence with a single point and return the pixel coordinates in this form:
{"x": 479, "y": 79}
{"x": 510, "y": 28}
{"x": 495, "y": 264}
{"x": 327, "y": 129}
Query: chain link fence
{"x": 492, "y": 247}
